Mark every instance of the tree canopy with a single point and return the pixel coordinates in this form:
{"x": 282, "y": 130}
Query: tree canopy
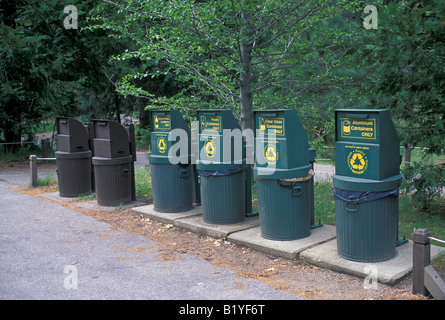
{"x": 310, "y": 55}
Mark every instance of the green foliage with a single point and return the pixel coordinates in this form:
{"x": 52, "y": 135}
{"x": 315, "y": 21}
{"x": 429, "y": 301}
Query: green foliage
{"x": 49, "y": 179}
{"x": 410, "y": 64}
{"x": 426, "y": 183}
{"x": 143, "y": 138}
{"x": 48, "y": 70}
{"x": 324, "y": 202}
{"x": 406, "y": 59}
{"x": 143, "y": 183}
{"x": 233, "y": 54}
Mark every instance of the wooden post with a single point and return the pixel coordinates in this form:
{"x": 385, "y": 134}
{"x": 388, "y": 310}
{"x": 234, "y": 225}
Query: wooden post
{"x": 33, "y": 169}
{"x": 407, "y": 156}
{"x": 45, "y": 147}
{"x": 421, "y": 259}
{"x": 434, "y": 283}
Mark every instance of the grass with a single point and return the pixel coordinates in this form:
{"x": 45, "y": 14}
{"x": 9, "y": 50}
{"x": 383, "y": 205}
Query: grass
{"x": 410, "y": 218}
{"x": 49, "y": 179}
{"x": 324, "y": 202}
{"x": 86, "y": 197}
{"x": 143, "y": 183}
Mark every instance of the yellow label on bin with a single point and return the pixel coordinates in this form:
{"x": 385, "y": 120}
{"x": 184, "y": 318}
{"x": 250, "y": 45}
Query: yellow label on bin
{"x": 162, "y": 144}
{"x": 358, "y": 128}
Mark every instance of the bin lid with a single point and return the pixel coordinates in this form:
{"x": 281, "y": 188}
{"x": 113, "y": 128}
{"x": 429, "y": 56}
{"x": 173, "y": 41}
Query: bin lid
{"x": 72, "y": 135}
{"x": 221, "y": 144}
{"x": 360, "y": 184}
{"x": 72, "y": 155}
{"x": 281, "y": 145}
{"x": 170, "y": 138}
{"x": 111, "y": 139}
{"x": 99, "y": 161}
{"x": 367, "y": 145}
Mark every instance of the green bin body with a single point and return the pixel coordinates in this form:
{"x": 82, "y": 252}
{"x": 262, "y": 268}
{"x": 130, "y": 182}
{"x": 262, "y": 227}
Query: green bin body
{"x": 222, "y": 171}
{"x": 367, "y": 231}
{"x": 172, "y": 174}
{"x": 283, "y": 164}
{"x": 284, "y": 210}
{"x": 367, "y": 163}
{"x": 172, "y": 187}
{"x": 223, "y": 198}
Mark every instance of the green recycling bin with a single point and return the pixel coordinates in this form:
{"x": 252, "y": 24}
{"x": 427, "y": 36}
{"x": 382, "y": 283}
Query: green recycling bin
{"x": 366, "y": 184}
{"x": 284, "y": 175}
{"x": 221, "y": 167}
{"x": 172, "y": 174}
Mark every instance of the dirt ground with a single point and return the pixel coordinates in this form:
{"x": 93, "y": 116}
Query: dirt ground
{"x": 294, "y": 276}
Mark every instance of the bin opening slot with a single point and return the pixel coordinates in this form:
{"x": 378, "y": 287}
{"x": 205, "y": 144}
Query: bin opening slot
{"x": 357, "y": 116}
{"x": 268, "y": 115}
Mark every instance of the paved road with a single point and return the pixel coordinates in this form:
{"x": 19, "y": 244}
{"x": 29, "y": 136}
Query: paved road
{"x": 50, "y": 252}
{"x": 21, "y": 178}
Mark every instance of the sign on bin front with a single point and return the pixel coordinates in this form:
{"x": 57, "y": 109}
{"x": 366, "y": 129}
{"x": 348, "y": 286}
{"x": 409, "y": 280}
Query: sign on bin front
{"x": 354, "y": 128}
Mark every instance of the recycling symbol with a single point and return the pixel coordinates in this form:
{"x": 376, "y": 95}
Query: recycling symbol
{"x": 270, "y": 153}
{"x": 357, "y": 161}
{"x": 162, "y": 145}
{"x": 210, "y": 148}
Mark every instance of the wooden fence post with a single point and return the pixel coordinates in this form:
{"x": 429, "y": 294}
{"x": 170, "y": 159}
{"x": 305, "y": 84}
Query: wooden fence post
{"x": 421, "y": 258}
{"x": 33, "y": 168}
{"x": 45, "y": 147}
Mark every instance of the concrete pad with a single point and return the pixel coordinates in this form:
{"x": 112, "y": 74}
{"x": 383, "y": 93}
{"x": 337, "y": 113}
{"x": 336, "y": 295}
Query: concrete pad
{"x": 287, "y": 249}
{"x": 387, "y": 272}
{"x": 165, "y": 217}
{"x": 197, "y": 225}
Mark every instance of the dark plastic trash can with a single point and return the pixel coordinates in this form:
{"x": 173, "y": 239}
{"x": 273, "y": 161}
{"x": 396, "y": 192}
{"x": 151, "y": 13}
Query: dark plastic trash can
{"x": 113, "y": 163}
{"x": 73, "y": 158}
{"x": 113, "y": 180}
{"x": 74, "y": 173}
{"x": 223, "y": 197}
{"x": 366, "y": 224}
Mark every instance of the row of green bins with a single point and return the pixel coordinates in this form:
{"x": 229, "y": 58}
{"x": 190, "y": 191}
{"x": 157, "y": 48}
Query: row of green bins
{"x": 73, "y": 158}
{"x": 172, "y": 174}
{"x": 284, "y": 175}
{"x": 366, "y": 184}
{"x": 221, "y": 166}
{"x": 113, "y": 162}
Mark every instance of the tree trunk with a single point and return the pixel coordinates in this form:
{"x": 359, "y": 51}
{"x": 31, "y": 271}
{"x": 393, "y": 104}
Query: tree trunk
{"x": 118, "y": 109}
{"x": 246, "y": 97}
{"x": 12, "y": 132}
